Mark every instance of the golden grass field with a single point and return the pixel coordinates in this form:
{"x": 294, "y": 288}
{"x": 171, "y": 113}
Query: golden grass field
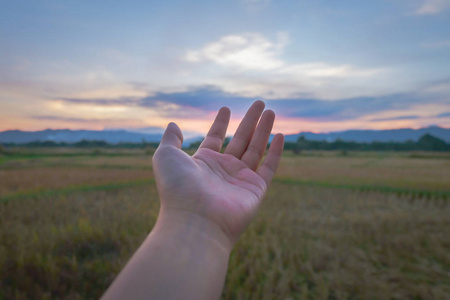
{"x": 359, "y": 226}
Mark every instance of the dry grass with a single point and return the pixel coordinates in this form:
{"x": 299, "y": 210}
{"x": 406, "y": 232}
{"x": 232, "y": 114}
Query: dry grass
{"x": 119, "y": 162}
{"x": 310, "y": 243}
{"x": 386, "y": 170}
{"x": 307, "y": 242}
{"x": 39, "y": 179}
{"x": 71, "y": 246}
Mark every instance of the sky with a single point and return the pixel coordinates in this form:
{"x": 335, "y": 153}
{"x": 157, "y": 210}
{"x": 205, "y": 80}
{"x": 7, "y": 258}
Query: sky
{"x": 320, "y": 65}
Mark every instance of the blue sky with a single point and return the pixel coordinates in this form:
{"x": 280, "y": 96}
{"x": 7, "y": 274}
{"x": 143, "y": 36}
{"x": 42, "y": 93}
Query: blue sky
{"x": 321, "y": 65}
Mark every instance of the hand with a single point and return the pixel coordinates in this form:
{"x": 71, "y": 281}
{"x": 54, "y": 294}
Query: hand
{"x": 224, "y": 190}
{"x": 207, "y": 200}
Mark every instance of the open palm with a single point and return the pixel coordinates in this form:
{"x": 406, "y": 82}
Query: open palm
{"x": 225, "y": 188}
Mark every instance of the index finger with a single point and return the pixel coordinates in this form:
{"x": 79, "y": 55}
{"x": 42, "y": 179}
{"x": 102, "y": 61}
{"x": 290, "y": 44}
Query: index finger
{"x": 216, "y": 134}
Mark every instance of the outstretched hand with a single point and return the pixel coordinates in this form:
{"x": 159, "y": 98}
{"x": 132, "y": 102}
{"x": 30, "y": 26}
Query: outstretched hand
{"x": 223, "y": 189}
{"x": 207, "y": 200}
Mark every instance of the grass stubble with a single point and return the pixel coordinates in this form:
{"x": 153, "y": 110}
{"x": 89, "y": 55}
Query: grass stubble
{"x": 307, "y": 242}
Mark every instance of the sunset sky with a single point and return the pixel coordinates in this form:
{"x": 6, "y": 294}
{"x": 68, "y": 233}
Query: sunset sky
{"x": 320, "y": 65}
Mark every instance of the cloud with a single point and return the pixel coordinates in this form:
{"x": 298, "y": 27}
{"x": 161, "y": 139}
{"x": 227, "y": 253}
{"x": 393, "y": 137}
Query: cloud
{"x": 208, "y": 99}
{"x": 444, "y": 115}
{"x": 195, "y": 107}
{"x": 249, "y": 51}
{"x": 441, "y": 89}
{"x": 431, "y": 7}
{"x": 324, "y": 70}
{"x": 101, "y": 102}
{"x": 253, "y": 52}
{"x": 395, "y": 118}
{"x": 173, "y": 109}
{"x": 200, "y": 102}
{"x": 344, "y": 109}
{"x": 251, "y": 65}
{"x": 72, "y": 119}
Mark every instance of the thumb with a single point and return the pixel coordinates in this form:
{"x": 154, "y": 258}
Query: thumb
{"x": 172, "y": 136}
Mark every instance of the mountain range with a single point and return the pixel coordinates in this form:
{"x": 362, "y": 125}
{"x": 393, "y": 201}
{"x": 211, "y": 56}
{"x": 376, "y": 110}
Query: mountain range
{"x": 368, "y": 136}
{"x": 73, "y": 136}
{"x": 118, "y": 136}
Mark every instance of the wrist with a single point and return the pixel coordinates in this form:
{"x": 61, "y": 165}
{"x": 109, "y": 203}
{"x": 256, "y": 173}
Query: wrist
{"x": 192, "y": 229}
{"x": 184, "y": 257}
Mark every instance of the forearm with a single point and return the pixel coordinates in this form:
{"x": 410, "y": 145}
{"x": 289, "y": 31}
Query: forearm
{"x": 184, "y": 257}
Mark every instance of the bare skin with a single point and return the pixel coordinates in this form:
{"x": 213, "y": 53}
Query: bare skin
{"x": 207, "y": 201}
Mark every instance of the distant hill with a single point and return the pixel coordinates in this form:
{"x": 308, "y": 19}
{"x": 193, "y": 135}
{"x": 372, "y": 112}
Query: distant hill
{"x": 117, "y": 136}
{"x": 368, "y": 136}
{"x": 73, "y": 136}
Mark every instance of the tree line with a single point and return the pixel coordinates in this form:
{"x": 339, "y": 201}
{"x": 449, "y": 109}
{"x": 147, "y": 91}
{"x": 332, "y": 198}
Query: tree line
{"x": 426, "y": 143}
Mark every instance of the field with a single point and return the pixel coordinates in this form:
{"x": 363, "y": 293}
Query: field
{"x": 332, "y": 226}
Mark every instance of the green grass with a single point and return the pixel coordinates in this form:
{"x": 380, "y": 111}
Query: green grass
{"x": 420, "y": 193}
{"x": 25, "y": 155}
{"x": 104, "y": 166}
{"x": 73, "y": 189}
{"x": 118, "y": 185}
